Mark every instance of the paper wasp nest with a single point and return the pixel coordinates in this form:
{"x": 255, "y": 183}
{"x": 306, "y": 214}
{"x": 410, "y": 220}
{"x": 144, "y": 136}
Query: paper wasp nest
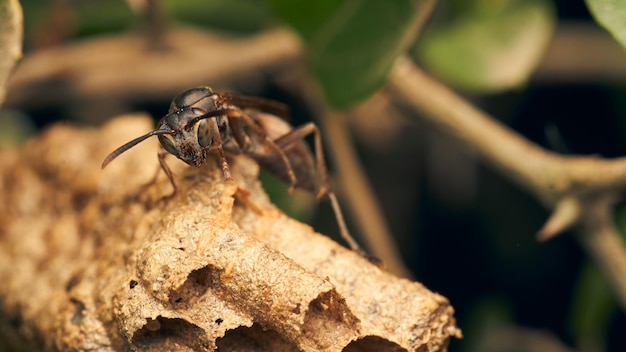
{"x": 96, "y": 260}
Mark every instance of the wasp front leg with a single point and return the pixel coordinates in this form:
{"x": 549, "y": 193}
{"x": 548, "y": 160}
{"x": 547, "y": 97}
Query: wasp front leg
{"x": 218, "y": 144}
{"x": 168, "y": 172}
{"x": 162, "y": 166}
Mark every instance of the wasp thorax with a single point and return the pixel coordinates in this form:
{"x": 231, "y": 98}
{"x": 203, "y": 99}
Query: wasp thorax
{"x": 193, "y": 98}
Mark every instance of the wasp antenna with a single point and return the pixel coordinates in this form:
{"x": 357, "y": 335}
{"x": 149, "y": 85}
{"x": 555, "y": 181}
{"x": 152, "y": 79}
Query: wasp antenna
{"x": 114, "y": 154}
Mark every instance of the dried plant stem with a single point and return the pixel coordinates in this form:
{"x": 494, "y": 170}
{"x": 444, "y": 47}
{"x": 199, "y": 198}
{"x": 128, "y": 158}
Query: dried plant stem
{"x": 458, "y": 117}
{"x": 359, "y": 194}
{"x": 580, "y": 190}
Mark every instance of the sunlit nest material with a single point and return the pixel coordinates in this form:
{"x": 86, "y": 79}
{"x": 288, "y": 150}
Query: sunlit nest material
{"x": 91, "y": 259}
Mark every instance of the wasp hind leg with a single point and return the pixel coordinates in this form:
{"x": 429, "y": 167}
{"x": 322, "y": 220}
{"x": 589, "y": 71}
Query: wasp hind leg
{"x": 322, "y": 187}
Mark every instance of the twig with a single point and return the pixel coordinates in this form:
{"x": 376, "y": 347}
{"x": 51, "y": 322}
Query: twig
{"x": 119, "y": 68}
{"x": 156, "y": 23}
{"x": 11, "y": 20}
{"x": 574, "y": 187}
{"x": 359, "y": 194}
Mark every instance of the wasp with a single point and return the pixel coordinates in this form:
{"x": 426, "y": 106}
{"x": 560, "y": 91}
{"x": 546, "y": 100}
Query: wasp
{"x": 200, "y": 122}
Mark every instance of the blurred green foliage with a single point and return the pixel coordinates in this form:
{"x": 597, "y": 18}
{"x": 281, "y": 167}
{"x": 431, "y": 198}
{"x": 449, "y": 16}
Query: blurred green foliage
{"x": 351, "y": 44}
{"x": 593, "y": 303}
{"x": 82, "y": 18}
{"x": 487, "y": 45}
{"x": 611, "y": 14}
{"x": 243, "y": 16}
{"x": 86, "y": 18}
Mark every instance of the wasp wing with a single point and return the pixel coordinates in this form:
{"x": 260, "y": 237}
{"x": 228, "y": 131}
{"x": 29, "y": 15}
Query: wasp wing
{"x": 266, "y": 105}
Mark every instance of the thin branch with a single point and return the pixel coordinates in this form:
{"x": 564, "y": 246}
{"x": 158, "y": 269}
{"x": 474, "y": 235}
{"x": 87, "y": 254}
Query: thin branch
{"x": 550, "y": 176}
{"x": 572, "y": 186}
{"x": 565, "y": 215}
{"x": 120, "y": 68}
{"x": 503, "y": 148}
{"x": 11, "y": 22}
{"x": 601, "y": 239}
{"x": 359, "y": 193}
{"x": 156, "y": 23}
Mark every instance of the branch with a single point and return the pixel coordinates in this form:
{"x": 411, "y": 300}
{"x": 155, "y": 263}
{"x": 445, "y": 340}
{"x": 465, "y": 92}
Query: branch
{"x": 90, "y": 259}
{"x": 123, "y": 68}
{"x": 359, "y": 193}
{"x": 575, "y": 187}
{"x": 11, "y": 24}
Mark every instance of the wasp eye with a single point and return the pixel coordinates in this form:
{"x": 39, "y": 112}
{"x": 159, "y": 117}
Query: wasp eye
{"x": 203, "y": 131}
{"x": 168, "y": 143}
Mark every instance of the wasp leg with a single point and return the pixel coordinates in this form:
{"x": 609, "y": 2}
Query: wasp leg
{"x": 170, "y": 176}
{"x": 162, "y": 166}
{"x": 298, "y": 134}
{"x": 237, "y": 126}
{"x": 244, "y": 141}
{"x": 217, "y": 144}
{"x": 343, "y": 228}
{"x": 322, "y": 186}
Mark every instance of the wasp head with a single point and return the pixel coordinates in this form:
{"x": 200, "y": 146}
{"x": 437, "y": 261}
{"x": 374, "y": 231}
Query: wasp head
{"x": 189, "y": 139}
{"x": 184, "y": 131}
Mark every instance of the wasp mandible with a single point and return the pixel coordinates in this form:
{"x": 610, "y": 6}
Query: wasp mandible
{"x": 200, "y": 121}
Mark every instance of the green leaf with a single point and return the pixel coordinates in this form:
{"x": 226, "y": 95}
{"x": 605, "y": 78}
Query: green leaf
{"x": 11, "y": 32}
{"x": 243, "y": 16}
{"x": 352, "y": 44}
{"x": 593, "y": 302}
{"x": 80, "y": 18}
{"x": 488, "y": 47}
{"x": 593, "y": 306}
{"x": 610, "y": 14}
{"x": 16, "y": 128}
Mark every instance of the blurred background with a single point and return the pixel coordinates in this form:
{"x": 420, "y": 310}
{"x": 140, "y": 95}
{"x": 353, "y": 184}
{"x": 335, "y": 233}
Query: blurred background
{"x": 463, "y": 230}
